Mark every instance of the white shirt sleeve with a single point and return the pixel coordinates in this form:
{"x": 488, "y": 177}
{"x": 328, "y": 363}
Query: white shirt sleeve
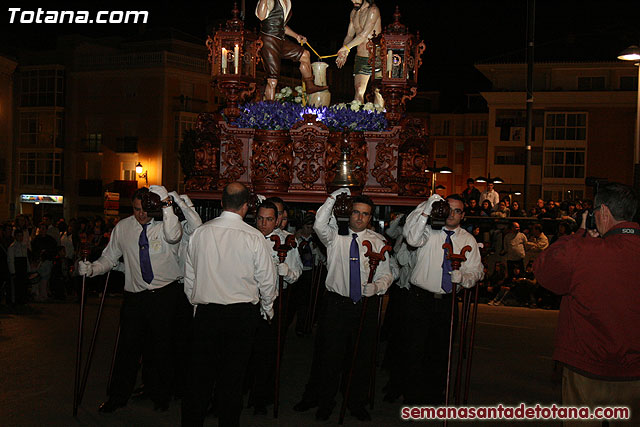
{"x": 323, "y": 226}
{"x": 193, "y": 220}
{"x": 415, "y": 230}
{"x": 265, "y": 275}
{"x": 171, "y": 226}
{"x": 472, "y": 269}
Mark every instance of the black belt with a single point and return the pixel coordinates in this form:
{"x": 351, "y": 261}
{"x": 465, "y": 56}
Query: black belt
{"x": 428, "y": 294}
{"x": 155, "y": 291}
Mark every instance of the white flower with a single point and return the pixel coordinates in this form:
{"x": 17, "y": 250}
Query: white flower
{"x": 369, "y": 106}
{"x": 297, "y": 99}
{"x": 284, "y": 90}
{"x": 287, "y": 91}
{"x": 298, "y": 89}
{"x": 340, "y": 106}
{"x": 355, "y": 107}
{"x": 279, "y": 96}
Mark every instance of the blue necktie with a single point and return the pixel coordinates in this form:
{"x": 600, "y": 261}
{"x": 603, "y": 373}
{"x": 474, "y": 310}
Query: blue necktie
{"x": 145, "y": 261}
{"x": 446, "y": 266}
{"x": 355, "y": 287}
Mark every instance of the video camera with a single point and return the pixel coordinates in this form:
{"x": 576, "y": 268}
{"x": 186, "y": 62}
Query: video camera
{"x": 440, "y": 211}
{"x": 152, "y": 205}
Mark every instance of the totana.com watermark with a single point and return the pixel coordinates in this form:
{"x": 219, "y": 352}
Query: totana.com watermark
{"x": 40, "y": 16}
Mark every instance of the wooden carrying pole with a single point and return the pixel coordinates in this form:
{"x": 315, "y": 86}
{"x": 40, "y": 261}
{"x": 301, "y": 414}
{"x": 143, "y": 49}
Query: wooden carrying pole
{"x": 281, "y": 249}
{"x": 374, "y": 259}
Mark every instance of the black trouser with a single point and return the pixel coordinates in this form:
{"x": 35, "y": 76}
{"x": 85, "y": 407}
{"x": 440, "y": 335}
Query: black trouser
{"x": 182, "y": 342}
{"x": 337, "y": 331}
{"x": 299, "y": 305}
{"x": 222, "y": 339}
{"x": 264, "y": 354}
{"x": 426, "y": 338}
{"x": 146, "y": 317}
{"x": 396, "y": 348}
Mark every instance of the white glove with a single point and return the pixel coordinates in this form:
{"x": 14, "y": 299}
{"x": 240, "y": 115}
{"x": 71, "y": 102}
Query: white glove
{"x": 283, "y": 269}
{"x": 456, "y": 276}
{"x": 176, "y": 198}
{"x": 430, "y": 202}
{"x": 369, "y": 290}
{"x": 159, "y": 190}
{"x": 187, "y": 200}
{"x": 260, "y": 198}
{"x": 85, "y": 268}
{"x": 266, "y": 314}
{"x": 340, "y": 191}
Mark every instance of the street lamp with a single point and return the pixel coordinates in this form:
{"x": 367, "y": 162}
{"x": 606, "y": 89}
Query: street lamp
{"x": 496, "y": 180}
{"x": 436, "y": 170}
{"x": 632, "y": 53}
{"x": 142, "y": 175}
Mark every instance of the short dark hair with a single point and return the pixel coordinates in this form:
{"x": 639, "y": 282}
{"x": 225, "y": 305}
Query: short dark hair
{"x": 138, "y": 193}
{"x": 621, "y": 200}
{"x": 364, "y": 199}
{"x": 236, "y": 199}
{"x": 268, "y": 205}
{"x": 275, "y": 199}
{"x": 309, "y": 219}
{"x": 455, "y": 197}
{"x": 470, "y": 180}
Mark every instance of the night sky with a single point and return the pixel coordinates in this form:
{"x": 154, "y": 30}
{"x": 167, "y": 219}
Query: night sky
{"x": 457, "y": 33}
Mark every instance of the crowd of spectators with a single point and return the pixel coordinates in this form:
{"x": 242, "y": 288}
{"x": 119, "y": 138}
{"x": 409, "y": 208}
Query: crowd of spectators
{"x": 38, "y": 261}
{"x": 511, "y": 239}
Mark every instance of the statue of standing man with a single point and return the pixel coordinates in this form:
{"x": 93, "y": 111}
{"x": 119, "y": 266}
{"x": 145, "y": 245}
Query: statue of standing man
{"x": 364, "y": 20}
{"x": 273, "y": 16}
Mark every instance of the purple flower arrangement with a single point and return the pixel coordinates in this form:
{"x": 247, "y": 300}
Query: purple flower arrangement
{"x": 277, "y": 116}
{"x": 269, "y": 115}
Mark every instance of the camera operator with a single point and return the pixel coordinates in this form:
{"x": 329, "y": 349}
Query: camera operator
{"x": 428, "y": 307}
{"x": 150, "y": 251}
{"x": 598, "y": 275}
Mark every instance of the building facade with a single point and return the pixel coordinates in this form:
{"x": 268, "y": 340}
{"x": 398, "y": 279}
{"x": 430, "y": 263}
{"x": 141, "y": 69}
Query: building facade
{"x": 583, "y": 125}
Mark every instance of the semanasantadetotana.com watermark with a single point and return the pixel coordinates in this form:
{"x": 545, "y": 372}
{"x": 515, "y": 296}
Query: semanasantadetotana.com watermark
{"x": 40, "y": 16}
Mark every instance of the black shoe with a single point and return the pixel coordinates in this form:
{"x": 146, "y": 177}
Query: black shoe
{"x": 110, "y": 406}
{"x": 360, "y": 413}
{"x": 323, "y": 414}
{"x": 304, "y": 405}
{"x": 259, "y": 409}
{"x": 161, "y": 406}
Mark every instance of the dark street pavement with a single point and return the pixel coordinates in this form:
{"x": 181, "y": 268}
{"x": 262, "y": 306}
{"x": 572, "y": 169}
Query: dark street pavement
{"x": 511, "y": 364}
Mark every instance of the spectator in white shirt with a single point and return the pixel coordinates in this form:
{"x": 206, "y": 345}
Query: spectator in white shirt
{"x": 490, "y": 194}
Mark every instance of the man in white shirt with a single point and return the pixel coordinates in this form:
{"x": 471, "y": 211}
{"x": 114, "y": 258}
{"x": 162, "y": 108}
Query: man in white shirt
{"x": 346, "y": 283}
{"x": 491, "y": 195}
{"x": 265, "y": 346}
{"x": 150, "y": 251}
{"x": 231, "y": 277}
{"x": 428, "y": 310}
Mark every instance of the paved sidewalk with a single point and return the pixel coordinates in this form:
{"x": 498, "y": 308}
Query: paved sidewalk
{"x": 512, "y": 364}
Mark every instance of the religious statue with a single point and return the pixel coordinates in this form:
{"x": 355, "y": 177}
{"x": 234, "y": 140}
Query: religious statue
{"x": 364, "y": 22}
{"x": 273, "y": 16}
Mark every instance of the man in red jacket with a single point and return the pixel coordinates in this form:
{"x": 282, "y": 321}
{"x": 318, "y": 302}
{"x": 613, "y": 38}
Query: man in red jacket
{"x": 598, "y": 275}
